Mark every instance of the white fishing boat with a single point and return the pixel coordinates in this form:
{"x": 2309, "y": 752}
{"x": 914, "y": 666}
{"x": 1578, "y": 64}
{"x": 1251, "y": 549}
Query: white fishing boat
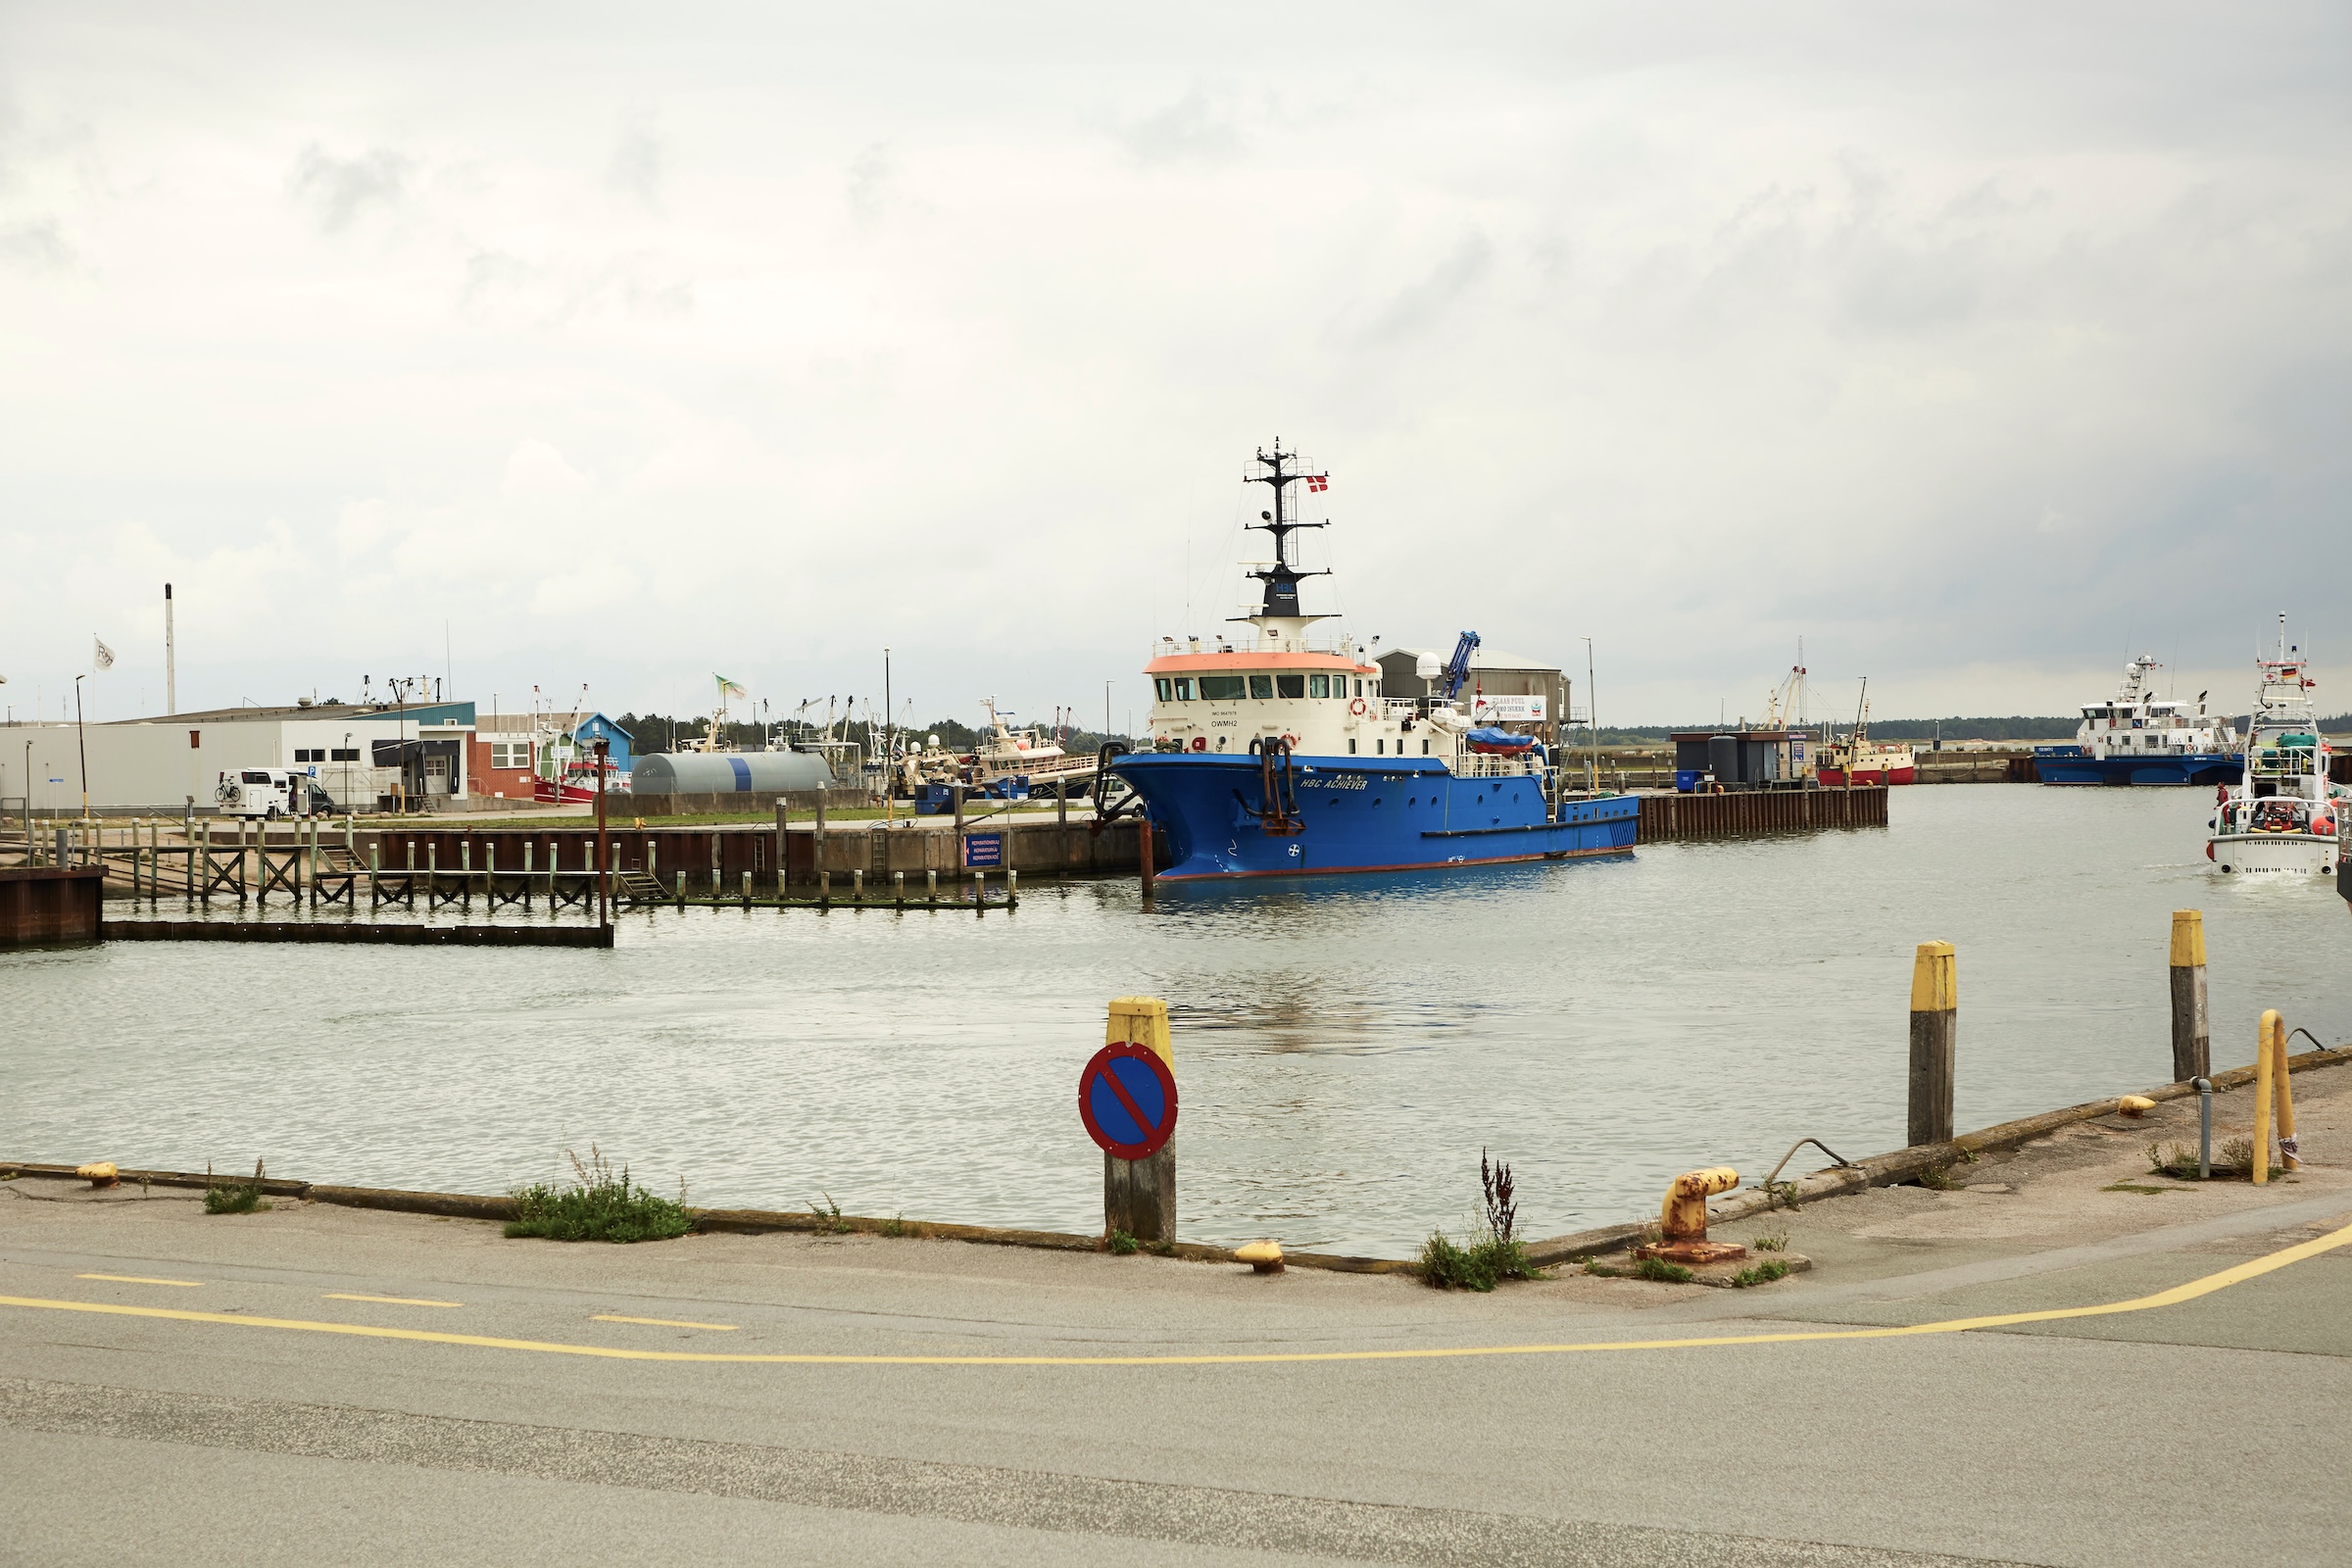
{"x": 2283, "y": 814}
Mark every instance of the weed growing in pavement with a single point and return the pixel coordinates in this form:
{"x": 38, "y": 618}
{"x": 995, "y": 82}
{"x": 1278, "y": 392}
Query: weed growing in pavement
{"x": 2132, "y": 1186}
{"x": 1763, "y": 1273}
{"x": 897, "y": 1225}
{"x": 2237, "y": 1159}
{"x": 828, "y": 1216}
{"x": 600, "y": 1206}
{"x": 1496, "y": 1255}
{"x": 1777, "y": 1242}
{"x": 1938, "y": 1178}
{"x": 1665, "y": 1273}
{"x": 2176, "y": 1161}
{"x": 1122, "y": 1245}
{"x": 1778, "y": 1193}
{"x": 233, "y": 1198}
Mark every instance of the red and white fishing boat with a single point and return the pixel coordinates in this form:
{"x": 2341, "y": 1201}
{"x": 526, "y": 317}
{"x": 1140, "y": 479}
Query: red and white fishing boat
{"x": 1858, "y": 760}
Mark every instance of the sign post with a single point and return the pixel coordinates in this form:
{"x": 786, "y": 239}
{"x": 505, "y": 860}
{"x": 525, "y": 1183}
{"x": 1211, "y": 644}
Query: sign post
{"x": 1127, "y": 1099}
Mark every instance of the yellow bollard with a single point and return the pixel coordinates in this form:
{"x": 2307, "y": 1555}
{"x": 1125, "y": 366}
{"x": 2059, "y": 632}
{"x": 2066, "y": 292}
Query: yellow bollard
{"x": 1683, "y": 1220}
{"x": 2262, "y": 1099}
{"x": 2282, "y": 1086}
{"x": 1683, "y": 1217}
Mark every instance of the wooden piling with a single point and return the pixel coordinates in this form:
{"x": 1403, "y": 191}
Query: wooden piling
{"x": 2193, "y": 1034}
{"x": 1139, "y": 1195}
{"x": 1935, "y": 1032}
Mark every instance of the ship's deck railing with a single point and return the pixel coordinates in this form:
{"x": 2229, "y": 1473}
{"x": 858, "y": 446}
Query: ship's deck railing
{"x": 1486, "y": 765}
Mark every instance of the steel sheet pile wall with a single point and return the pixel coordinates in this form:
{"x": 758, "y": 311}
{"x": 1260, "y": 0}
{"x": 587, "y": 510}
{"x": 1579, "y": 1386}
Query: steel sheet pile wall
{"x": 1707, "y": 816}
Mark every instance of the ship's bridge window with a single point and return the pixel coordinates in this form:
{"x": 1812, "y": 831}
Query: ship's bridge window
{"x": 1262, "y": 687}
{"x": 1161, "y": 685}
{"x": 1318, "y": 685}
{"x": 1222, "y": 688}
{"x": 1289, "y": 685}
{"x": 1183, "y": 688}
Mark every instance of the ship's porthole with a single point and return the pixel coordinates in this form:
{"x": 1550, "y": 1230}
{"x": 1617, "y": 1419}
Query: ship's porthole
{"x": 1375, "y": 800}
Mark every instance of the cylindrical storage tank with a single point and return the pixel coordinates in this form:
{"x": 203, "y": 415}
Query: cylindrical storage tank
{"x": 1723, "y": 758}
{"x": 728, "y": 772}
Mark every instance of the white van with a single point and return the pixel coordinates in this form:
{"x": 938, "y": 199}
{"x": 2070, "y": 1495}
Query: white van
{"x": 271, "y": 792}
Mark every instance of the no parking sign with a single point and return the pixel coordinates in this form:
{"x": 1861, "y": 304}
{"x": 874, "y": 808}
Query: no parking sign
{"x": 1127, "y": 1098}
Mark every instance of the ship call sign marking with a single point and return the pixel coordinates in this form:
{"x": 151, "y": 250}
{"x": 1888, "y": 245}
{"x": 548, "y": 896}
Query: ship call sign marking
{"x": 1127, "y": 1098}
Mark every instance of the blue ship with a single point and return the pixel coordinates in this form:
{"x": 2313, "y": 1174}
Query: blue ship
{"x": 1277, "y": 754}
{"x": 2140, "y": 738}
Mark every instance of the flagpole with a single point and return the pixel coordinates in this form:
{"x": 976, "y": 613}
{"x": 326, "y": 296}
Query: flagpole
{"x": 889, "y": 760}
{"x": 82, "y": 747}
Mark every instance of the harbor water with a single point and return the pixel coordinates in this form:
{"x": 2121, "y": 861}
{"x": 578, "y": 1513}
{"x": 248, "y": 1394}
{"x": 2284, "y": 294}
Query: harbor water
{"x": 1346, "y": 1047}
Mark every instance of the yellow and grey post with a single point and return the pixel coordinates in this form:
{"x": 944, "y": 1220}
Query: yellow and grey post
{"x": 2193, "y": 1033}
{"x": 1935, "y": 1032}
{"x": 1139, "y": 1195}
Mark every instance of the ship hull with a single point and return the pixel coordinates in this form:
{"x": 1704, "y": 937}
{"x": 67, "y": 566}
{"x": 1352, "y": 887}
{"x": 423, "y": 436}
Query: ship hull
{"x": 1832, "y": 778}
{"x": 2302, "y": 854}
{"x": 1356, "y": 813}
{"x": 2071, "y": 765}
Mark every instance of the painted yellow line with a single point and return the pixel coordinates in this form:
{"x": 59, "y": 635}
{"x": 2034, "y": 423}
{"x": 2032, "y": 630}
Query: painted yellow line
{"x": 389, "y": 1300}
{"x": 658, "y": 1322}
{"x": 141, "y": 1279}
{"x": 2179, "y": 1294}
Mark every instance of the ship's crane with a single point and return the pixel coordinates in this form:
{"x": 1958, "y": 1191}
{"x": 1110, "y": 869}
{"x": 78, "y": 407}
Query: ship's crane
{"x": 1457, "y": 668}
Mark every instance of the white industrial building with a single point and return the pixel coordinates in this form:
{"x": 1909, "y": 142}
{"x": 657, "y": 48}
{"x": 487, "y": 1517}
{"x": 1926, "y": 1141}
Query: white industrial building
{"x": 170, "y": 765}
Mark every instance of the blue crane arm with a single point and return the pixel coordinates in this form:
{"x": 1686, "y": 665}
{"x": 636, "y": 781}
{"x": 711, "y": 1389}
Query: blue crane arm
{"x": 1457, "y": 668}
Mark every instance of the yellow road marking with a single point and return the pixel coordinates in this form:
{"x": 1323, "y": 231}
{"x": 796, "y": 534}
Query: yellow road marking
{"x": 2172, "y": 1298}
{"x": 389, "y": 1300}
{"x": 141, "y": 1279}
{"x": 658, "y": 1322}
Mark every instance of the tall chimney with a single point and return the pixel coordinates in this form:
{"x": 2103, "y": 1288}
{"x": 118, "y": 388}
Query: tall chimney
{"x": 170, "y": 662}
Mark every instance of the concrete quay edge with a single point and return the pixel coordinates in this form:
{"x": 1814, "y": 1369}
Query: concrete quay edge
{"x": 1881, "y": 1170}
{"x": 1906, "y": 1164}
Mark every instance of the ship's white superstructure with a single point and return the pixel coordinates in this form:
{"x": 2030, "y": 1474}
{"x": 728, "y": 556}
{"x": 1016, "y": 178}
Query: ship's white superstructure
{"x": 2284, "y": 814}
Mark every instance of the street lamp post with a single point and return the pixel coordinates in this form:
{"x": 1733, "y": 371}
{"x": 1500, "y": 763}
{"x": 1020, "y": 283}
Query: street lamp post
{"x": 82, "y": 747}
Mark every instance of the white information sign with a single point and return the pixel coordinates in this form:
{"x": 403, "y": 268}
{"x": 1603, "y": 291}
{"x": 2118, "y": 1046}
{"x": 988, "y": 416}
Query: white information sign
{"x": 1497, "y": 710}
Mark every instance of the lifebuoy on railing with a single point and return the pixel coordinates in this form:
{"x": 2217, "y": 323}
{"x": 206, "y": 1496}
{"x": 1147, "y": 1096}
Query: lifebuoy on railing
{"x": 1199, "y": 743}
{"x": 1356, "y": 706}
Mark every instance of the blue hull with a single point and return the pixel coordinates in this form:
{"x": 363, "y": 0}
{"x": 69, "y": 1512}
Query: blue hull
{"x": 1360, "y": 814}
{"x": 2071, "y": 765}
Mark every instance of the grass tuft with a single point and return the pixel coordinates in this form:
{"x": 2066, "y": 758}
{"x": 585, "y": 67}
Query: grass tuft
{"x": 600, "y": 1206}
{"x": 828, "y": 1216}
{"x": 1763, "y": 1273}
{"x": 1665, "y": 1273}
{"x": 1770, "y": 1244}
{"x": 1938, "y": 1177}
{"x": 233, "y": 1198}
{"x": 1449, "y": 1265}
{"x": 1122, "y": 1245}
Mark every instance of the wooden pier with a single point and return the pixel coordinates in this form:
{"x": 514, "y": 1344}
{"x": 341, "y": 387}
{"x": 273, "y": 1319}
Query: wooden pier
{"x": 1735, "y": 814}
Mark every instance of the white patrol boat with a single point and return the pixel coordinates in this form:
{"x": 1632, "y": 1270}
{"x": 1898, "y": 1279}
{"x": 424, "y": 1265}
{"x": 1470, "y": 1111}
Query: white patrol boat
{"x": 2284, "y": 814}
{"x": 2140, "y": 738}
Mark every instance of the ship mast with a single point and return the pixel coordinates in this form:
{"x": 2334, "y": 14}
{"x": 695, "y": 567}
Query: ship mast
{"x": 1281, "y": 578}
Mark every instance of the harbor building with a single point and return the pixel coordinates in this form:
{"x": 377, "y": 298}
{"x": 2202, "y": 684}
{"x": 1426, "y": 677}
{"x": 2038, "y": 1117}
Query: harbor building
{"x": 360, "y": 753}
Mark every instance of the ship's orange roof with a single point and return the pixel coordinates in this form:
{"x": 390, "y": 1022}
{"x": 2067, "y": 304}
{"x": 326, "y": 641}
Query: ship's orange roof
{"x": 1189, "y": 663}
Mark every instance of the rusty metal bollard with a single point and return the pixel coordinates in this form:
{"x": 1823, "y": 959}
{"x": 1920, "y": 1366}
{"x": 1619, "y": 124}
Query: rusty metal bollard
{"x": 1683, "y": 1219}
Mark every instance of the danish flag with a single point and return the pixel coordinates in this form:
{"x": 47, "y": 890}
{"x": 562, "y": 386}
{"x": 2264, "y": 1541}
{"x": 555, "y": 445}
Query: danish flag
{"x": 1318, "y": 481}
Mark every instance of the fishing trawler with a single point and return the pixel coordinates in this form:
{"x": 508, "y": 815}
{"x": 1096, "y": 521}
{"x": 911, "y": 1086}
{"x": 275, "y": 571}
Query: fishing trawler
{"x": 1274, "y": 754}
{"x": 2284, "y": 813}
{"x": 1859, "y": 762}
{"x": 2140, "y": 738}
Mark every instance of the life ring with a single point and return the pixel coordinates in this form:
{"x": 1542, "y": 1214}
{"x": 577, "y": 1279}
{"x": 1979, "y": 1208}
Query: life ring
{"x": 1290, "y": 743}
{"x": 2209, "y": 850}
{"x": 1199, "y": 743}
{"x": 1356, "y": 706}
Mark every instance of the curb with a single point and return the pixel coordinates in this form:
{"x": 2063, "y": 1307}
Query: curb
{"x": 1905, "y": 1165}
{"x": 1881, "y": 1170}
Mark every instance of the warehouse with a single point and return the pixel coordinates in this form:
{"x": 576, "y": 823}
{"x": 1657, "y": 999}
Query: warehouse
{"x": 171, "y": 765}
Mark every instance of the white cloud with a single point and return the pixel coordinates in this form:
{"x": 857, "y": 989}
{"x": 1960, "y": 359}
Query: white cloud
{"x": 1936, "y": 344}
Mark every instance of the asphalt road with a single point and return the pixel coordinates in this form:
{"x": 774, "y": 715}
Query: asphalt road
{"x": 2217, "y": 1429}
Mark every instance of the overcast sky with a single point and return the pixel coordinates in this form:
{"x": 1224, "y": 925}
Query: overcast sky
{"x": 1977, "y": 346}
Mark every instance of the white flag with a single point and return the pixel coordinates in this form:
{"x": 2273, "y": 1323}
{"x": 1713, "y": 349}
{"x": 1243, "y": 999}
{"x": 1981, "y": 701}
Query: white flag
{"x": 103, "y": 657}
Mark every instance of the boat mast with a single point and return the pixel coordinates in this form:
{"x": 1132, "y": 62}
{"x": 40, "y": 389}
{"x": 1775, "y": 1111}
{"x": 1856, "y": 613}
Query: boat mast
{"x": 1280, "y": 578}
